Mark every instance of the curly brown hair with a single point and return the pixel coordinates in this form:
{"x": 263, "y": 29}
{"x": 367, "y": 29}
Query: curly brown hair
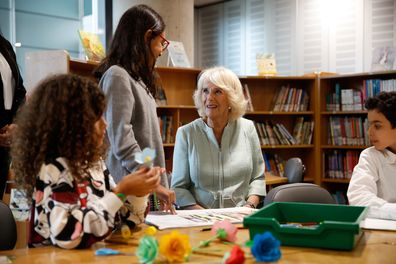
{"x": 58, "y": 121}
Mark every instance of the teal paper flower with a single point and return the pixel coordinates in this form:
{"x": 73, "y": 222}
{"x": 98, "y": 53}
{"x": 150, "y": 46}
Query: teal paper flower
{"x": 147, "y": 250}
{"x": 146, "y": 157}
{"x": 266, "y": 247}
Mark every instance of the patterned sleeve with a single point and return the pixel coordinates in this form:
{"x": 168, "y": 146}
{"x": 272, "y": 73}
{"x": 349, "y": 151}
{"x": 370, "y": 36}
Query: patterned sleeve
{"x": 67, "y": 217}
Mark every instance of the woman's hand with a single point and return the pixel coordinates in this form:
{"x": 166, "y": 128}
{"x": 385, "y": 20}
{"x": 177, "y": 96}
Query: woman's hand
{"x": 140, "y": 182}
{"x": 167, "y": 199}
{"x": 252, "y": 201}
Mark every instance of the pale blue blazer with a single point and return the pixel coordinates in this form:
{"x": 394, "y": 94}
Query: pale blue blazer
{"x": 216, "y": 176}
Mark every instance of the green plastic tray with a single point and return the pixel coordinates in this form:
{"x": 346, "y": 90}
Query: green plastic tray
{"x": 337, "y": 225}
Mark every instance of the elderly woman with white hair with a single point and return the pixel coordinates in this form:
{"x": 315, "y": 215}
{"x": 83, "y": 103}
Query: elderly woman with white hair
{"x": 217, "y": 159}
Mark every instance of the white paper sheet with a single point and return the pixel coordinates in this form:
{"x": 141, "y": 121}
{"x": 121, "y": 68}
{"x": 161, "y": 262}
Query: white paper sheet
{"x": 378, "y": 224}
{"x": 192, "y": 218}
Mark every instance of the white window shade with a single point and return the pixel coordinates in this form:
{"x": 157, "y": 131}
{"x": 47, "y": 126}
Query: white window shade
{"x": 210, "y": 36}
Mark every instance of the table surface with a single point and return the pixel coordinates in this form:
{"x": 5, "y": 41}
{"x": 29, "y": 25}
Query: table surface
{"x": 271, "y": 179}
{"x": 374, "y": 247}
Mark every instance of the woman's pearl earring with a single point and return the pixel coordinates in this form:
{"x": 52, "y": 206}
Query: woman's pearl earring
{"x": 229, "y": 108}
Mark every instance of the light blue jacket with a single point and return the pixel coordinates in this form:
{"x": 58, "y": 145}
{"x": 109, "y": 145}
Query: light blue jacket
{"x": 212, "y": 176}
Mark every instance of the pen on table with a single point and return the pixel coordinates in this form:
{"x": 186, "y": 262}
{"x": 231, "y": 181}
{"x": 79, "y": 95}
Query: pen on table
{"x": 176, "y": 206}
{"x": 209, "y": 228}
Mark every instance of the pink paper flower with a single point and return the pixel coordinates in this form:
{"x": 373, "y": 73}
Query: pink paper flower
{"x": 225, "y": 230}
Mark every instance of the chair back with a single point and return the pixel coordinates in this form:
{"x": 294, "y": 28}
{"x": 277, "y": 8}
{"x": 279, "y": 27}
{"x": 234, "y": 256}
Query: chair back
{"x": 8, "y": 231}
{"x": 294, "y": 170}
{"x": 299, "y": 192}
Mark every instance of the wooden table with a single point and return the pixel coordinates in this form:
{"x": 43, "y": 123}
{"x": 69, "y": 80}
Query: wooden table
{"x": 374, "y": 247}
{"x": 272, "y": 180}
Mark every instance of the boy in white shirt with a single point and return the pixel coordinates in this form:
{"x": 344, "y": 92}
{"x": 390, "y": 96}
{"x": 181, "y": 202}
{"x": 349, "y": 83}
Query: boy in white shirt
{"x": 373, "y": 181}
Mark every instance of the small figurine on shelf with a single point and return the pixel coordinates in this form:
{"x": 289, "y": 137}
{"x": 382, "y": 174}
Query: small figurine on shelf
{"x": 266, "y": 64}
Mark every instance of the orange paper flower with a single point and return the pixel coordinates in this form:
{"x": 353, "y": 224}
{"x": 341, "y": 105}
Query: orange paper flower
{"x": 175, "y": 247}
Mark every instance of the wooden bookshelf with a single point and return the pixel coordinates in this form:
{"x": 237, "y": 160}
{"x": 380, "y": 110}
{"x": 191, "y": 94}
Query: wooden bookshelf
{"x": 327, "y": 85}
{"x": 180, "y": 83}
{"x": 262, "y": 91}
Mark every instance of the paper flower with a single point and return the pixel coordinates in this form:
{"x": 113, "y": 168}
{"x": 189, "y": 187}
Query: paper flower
{"x": 106, "y": 252}
{"x": 266, "y": 247}
{"x": 125, "y": 231}
{"x": 175, "y": 247}
{"x": 147, "y": 250}
{"x": 150, "y": 231}
{"x": 225, "y": 230}
{"x": 146, "y": 157}
{"x": 236, "y": 256}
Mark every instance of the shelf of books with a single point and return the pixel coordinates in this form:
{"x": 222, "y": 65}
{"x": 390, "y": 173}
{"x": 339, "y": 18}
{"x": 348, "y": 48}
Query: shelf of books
{"x": 175, "y": 103}
{"x": 343, "y": 123}
{"x": 176, "y": 106}
{"x": 283, "y": 111}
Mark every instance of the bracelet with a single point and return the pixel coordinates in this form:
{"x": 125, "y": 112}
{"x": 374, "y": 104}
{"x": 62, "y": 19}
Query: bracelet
{"x": 121, "y": 196}
{"x": 250, "y": 204}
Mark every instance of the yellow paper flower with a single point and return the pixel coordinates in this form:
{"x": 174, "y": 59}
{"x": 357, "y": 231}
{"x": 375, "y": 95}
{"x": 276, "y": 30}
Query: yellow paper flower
{"x": 175, "y": 247}
{"x": 125, "y": 231}
{"x": 151, "y": 231}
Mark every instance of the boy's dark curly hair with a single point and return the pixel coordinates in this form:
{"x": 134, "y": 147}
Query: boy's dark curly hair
{"x": 385, "y": 103}
{"x": 57, "y": 121}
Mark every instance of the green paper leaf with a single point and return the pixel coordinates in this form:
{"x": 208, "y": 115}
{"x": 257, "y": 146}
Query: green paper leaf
{"x": 249, "y": 243}
{"x": 221, "y": 233}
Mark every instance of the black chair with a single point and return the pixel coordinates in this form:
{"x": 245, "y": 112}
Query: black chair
{"x": 294, "y": 170}
{"x": 299, "y": 192}
{"x": 8, "y": 231}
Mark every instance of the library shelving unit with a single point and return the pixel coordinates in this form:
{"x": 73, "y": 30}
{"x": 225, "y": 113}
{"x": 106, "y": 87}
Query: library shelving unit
{"x": 179, "y": 85}
{"x": 339, "y": 153}
{"x": 263, "y": 91}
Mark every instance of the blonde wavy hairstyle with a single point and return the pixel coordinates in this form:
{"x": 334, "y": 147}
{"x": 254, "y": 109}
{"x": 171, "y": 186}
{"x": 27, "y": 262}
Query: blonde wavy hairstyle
{"x": 229, "y": 82}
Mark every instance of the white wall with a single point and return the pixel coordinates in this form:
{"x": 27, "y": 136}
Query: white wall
{"x": 178, "y": 16}
{"x": 305, "y": 35}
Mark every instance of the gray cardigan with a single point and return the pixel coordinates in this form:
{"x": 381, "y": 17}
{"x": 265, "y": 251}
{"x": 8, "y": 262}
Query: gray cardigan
{"x": 205, "y": 173}
{"x": 132, "y": 122}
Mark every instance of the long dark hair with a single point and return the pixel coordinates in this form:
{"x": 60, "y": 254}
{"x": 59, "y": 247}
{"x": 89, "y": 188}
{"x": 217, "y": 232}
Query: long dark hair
{"x": 58, "y": 121}
{"x": 129, "y": 48}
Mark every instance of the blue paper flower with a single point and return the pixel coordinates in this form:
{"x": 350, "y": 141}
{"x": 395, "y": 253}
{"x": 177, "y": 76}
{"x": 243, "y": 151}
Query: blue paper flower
{"x": 106, "y": 252}
{"x": 266, "y": 247}
{"x": 146, "y": 157}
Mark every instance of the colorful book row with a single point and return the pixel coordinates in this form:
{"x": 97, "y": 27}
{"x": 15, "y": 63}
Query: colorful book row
{"x": 348, "y": 131}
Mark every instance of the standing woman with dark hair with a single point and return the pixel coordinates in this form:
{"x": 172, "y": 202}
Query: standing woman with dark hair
{"x": 130, "y": 83}
{"x": 12, "y": 94}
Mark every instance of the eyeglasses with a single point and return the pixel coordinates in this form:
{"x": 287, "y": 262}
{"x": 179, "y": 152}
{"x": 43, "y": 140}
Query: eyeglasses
{"x": 164, "y": 43}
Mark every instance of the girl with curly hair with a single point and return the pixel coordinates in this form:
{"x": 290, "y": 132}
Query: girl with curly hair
{"x": 56, "y": 156}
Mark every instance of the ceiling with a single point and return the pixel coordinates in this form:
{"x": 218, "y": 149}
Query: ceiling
{"x": 199, "y": 3}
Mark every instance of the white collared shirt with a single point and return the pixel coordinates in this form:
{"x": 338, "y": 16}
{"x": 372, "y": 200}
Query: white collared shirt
{"x": 373, "y": 183}
{"x": 8, "y": 82}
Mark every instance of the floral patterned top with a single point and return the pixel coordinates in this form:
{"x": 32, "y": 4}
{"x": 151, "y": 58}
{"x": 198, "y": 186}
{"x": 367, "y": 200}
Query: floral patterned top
{"x": 76, "y": 216}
